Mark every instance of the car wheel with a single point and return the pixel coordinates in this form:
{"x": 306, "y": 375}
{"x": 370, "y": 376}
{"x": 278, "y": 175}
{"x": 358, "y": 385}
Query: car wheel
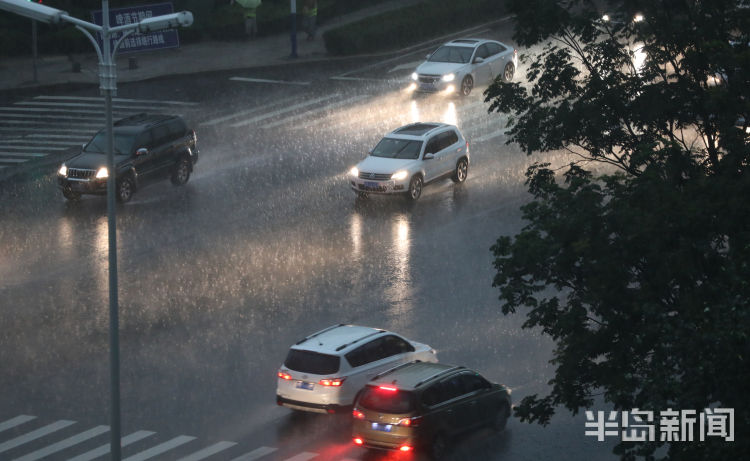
{"x": 501, "y": 418}
{"x": 125, "y": 189}
{"x": 70, "y": 194}
{"x": 467, "y": 84}
{"x": 438, "y": 447}
{"x": 462, "y": 171}
{"x": 510, "y": 69}
{"x": 415, "y": 188}
{"x": 181, "y": 172}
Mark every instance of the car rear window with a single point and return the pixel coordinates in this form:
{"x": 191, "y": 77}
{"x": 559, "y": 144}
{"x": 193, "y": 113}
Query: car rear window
{"x": 312, "y": 362}
{"x": 387, "y": 401}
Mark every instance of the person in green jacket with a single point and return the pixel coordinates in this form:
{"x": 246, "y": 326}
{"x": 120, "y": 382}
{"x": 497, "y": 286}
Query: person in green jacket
{"x": 249, "y": 6}
{"x": 309, "y": 17}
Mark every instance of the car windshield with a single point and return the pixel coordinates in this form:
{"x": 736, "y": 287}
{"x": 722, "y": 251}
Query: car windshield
{"x": 387, "y": 400}
{"x": 397, "y": 148}
{"x": 460, "y": 54}
{"x": 312, "y": 362}
{"x": 123, "y": 143}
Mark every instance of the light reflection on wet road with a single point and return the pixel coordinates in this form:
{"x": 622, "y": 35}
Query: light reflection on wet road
{"x": 264, "y": 245}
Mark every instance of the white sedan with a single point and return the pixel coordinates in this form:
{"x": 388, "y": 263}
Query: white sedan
{"x": 463, "y": 63}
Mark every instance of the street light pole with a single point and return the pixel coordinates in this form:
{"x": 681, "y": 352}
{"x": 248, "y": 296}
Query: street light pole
{"x": 108, "y": 88}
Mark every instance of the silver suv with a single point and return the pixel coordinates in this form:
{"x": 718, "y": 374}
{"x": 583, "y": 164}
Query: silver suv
{"x": 409, "y": 157}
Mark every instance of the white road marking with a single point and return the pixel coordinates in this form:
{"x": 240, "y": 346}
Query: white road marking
{"x": 46, "y": 130}
{"x": 263, "y": 80}
{"x": 58, "y": 124}
{"x": 488, "y": 136}
{"x": 70, "y": 117}
{"x": 13, "y": 160}
{"x": 161, "y": 448}
{"x": 21, "y": 154}
{"x": 26, "y": 147}
{"x": 280, "y": 111}
{"x": 255, "y": 454}
{"x": 363, "y": 79}
{"x": 18, "y": 420}
{"x": 83, "y": 98}
{"x": 63, "y": 444}
{"x": 208, "y": 451}
{"x": 408, "y": 65}
{"x": 309, "y": 113}
{"x": 104, "y": 449}
{"x": 304, "y": 456}
{"x": 27, "y": 142}
{"x": 89, "y": 105}
{"x": 60, "y": 136}
{"x": 216, "y": 121}
{"x": 33, "y": 435}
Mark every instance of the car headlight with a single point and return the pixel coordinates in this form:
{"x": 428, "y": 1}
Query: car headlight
{"x": 63, "y": 171}
{"x": 399, "y": 175}
{"x": 449, "y": 77}
{"x": 354, "y": 171}
{"x": 102, "y": 173}
{"x": 414, "y": 76}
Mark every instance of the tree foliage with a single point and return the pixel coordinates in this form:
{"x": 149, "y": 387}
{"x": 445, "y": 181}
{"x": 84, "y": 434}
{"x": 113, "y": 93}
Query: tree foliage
{"x": 649, "y": 263}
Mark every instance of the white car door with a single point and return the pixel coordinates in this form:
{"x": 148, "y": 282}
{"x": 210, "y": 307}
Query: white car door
{"x": 368, "y": 360}
{"x": 431, "y": 166}
{"x": 498, "y": 58}
{"x": 482, "y": 70}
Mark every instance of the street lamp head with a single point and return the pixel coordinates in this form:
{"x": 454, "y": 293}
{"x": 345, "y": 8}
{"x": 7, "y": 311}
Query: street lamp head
{"x": 33, "y": 10}
{"x": 167, "y": 21}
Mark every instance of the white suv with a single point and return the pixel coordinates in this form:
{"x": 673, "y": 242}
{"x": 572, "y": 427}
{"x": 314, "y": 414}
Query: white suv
{"x": 409, "y": 157}
{"x": 324, "y": 372}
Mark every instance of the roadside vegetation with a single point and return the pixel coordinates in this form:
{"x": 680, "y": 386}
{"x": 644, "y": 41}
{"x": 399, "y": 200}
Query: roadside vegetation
{"x": 640, "y": 276}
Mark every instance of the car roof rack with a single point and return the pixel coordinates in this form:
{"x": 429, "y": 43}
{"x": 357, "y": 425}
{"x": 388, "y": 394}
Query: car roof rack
{"x": 343, "y": 346}
{"x": 142, "y": 117}
{"x": 458, "y": 367}
{"x": 383, "y": 373}
{"x": 417, "y": 129}
{"x": 319, "y": 333}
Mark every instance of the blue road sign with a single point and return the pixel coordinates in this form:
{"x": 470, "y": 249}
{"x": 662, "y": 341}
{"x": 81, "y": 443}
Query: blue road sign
{"x": 137, "y": 41}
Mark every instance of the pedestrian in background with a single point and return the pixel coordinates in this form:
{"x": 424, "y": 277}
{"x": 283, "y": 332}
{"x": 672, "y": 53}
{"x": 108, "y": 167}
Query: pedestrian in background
{"x": 309, "y": 17}
{"x": 249, "y": 6}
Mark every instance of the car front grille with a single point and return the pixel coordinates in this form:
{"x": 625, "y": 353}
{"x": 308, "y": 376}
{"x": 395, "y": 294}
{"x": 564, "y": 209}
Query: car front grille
{"x": 375, "y": 176}
{"x": 428, "y": 78}
{"x": 80, "y": 173}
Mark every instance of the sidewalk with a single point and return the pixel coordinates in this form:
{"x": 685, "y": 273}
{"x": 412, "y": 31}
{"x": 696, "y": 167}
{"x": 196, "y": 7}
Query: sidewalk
{"x": 18, "y": 73}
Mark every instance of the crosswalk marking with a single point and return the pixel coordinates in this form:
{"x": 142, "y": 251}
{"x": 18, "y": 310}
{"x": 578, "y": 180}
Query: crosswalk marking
{"x": 94, "y": 98}
{"x": 22, "y": 154}
{"x": 312, "y": 112}
{"x": 208, "y": 451}
{"x": 281, "y": 111}
{"x": 104, "y": 449}
{"x": 30, "y": 144}
{"x": 17, "y": 421}
{"x": 255, "y": 454}
{"x": 85, "y": 104}
{"x": 263, "y": 80}
{"x": 63, "y": 444}
{"x": 224, "y": 118}
{"x": 33, "y": 435}
{"x": 161, "y": 448}
{"x": 13, "y": 160}
{"x": 304, "y": 456}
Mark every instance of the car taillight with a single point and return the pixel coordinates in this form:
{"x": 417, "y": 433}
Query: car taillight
{"x": 358, "y": 414}
{"x": 333, "y": 382}
{"x": 405, "y": 448}
{"x": 410, "y": 422}
{"x": 285, "y": 376}
{"x": 358, "y": 441}
{"x": 388, "y": 388}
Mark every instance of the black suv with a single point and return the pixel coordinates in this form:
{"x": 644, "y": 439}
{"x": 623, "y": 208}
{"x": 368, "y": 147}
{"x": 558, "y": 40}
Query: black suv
{"x": 147, "y": 147}
{"x": 423, "y": 405}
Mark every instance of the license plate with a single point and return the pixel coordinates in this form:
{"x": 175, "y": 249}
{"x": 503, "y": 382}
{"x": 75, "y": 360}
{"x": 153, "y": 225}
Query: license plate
{"x": 427, "y": 86}
{"x": 371, "y": 185}
{"x": 382, "y": 427}
{"x": 305, "y": 385}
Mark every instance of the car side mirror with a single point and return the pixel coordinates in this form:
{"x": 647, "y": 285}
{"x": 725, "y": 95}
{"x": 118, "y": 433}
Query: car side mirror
{"x": 429, "y": 156}
{"x": 141, "y": 151}
{"x": 478, "y": 60}
{"x": 428, "y": 55}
